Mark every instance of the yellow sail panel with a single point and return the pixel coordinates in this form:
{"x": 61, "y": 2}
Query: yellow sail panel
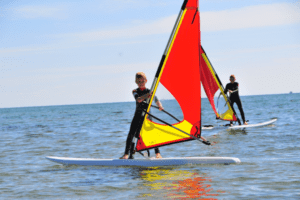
{"x": 228, "y": 115}
{"x": 158, "y": 135}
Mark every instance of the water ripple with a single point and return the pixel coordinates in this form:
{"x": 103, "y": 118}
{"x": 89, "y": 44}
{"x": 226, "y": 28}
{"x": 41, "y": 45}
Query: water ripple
{"x": 269, "y": 155}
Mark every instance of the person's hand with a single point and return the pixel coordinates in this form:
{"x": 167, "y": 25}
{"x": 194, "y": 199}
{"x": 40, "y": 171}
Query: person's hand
{"x": 160, "y": 107}
{"x": 230, "y": 91}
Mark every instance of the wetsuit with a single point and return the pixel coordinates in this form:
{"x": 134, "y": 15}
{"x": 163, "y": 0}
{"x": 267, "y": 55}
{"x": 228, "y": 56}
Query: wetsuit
{"x": 234, "y": 97}
{"x": 136, "y": 121}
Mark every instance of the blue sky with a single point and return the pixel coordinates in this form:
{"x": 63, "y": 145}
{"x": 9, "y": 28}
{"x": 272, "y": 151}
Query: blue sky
{"x": 78, "y": 52}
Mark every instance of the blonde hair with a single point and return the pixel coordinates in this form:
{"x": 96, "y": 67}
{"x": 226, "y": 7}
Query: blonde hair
{"x": 139, "y": 75}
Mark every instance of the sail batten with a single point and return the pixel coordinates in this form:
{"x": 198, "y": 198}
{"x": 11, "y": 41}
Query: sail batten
{"x": 179, "y": 73}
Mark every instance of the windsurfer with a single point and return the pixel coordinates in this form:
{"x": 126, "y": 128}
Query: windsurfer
{"x": 141, "y": 94}
{"x": 234, "y": 97}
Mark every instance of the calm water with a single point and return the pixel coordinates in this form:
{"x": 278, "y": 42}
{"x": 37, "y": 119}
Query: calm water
{"x": 269, "y": 169}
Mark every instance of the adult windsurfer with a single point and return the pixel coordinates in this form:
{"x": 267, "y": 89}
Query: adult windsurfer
{"x": 234, "y": 97}
{"x": 141, "y": 94}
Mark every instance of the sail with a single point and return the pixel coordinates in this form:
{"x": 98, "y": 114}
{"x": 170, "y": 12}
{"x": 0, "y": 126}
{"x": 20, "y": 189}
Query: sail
{"x": 179, "y": 73}
{"x": 212, "y": 84}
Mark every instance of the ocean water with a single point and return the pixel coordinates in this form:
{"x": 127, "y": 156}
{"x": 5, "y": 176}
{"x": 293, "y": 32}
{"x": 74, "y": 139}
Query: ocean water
{"x": 269, "y": 169}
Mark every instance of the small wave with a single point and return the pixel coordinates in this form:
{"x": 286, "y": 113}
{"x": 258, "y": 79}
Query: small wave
{"x": 117, "y": 132}
{"x": 10, "y": 127}
{"x": 33, "y": 135}
{"x": 40, "y": 126}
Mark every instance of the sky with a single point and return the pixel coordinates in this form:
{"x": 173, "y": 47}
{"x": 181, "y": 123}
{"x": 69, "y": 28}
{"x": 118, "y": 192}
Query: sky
{"x": 81, "y": 52}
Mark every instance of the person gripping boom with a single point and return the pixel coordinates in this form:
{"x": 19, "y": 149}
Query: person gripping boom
{"x": 141, "y": 94}
{"x": 234, "y": 97}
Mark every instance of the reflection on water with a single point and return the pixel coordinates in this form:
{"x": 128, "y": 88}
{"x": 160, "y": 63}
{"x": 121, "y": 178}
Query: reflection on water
{"x": 237, "y": 131}
{"x": 177, "y": 184}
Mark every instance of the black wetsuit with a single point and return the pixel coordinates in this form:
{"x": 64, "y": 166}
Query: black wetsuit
{"x": 136, "y": 121}
{"x": 234, "y": 97}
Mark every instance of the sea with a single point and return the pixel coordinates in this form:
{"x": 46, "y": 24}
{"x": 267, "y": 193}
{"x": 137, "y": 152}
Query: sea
{"x": 269, "y": 155}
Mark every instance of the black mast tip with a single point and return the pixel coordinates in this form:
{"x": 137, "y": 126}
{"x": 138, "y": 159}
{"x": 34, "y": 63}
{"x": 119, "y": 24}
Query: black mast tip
{"x": 184, "y": 4}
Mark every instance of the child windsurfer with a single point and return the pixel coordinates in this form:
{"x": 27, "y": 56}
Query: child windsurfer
{"x": 141, "y": 94}
{"x": 234, "y": 97}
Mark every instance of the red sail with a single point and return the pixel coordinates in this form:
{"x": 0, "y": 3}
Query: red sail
{"x": 180, "y": 75}
{"x": 211, "y": 84}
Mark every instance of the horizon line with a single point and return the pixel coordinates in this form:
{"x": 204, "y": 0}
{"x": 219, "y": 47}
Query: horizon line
{"x": 131, "y": 101}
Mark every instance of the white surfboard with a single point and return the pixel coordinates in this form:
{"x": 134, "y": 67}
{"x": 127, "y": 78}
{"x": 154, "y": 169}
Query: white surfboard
{"x": 144, "y": 162}
{"x": 242, "y": 126}
{"x": 253, "y": 125}
{"x": 207, "y": 127}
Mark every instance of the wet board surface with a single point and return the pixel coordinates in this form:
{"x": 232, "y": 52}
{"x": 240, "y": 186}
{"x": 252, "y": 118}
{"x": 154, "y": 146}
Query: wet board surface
{"x": 253, "y": 125}
{"x": 143, "y": 162}
{"x": 243, "y": 126}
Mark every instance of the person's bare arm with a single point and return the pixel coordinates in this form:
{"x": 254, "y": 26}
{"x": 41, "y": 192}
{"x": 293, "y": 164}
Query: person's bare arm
{"x": 160, "y": 107}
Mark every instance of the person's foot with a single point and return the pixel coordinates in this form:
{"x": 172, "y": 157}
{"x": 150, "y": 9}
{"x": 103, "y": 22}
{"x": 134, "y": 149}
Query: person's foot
{"x": 125, "y": 156}
{"x": 245, "y": 123}
{"x": 158, "y": 155}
